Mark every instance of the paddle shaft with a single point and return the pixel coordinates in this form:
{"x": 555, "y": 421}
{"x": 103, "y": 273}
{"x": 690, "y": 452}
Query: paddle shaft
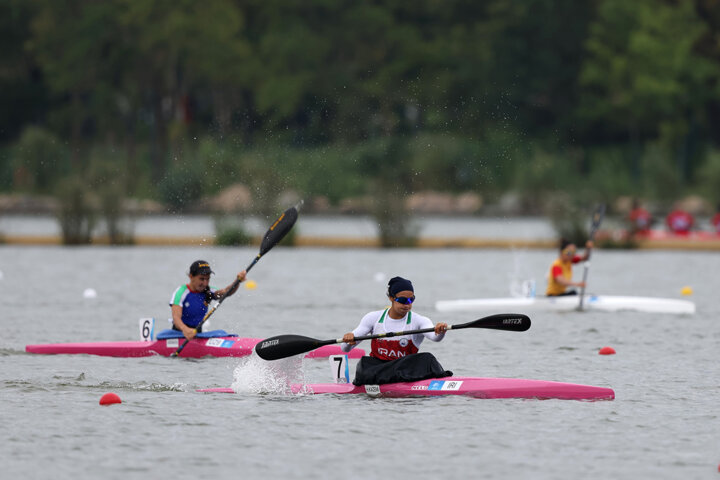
{"x": 322, "y": 343}
{"x": 596, "y": 221}
{"x": 419, "y": 330}
{"x": 272, "y": 237}
{"x": 282, "y": 346}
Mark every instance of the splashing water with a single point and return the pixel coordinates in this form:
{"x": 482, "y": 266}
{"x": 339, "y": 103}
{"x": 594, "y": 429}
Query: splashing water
{"x": 254, "y": 375}
{"x": 522, "y": 284}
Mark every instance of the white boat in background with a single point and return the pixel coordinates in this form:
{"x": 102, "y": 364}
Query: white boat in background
{"x": 606, "y": 303}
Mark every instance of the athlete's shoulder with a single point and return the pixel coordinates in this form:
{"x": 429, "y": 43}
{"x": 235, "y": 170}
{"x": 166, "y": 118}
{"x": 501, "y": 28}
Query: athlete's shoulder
{"x": 178, "y": 294}
{"x": 418, "y": 318}
{"x": 372, "y": 316}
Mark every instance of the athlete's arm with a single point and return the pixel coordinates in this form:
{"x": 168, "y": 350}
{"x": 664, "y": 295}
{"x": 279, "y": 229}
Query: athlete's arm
{"x": 179, "y": 324}
{"x": 364, "y": 328}
{"x": 568, "y": 283}
{"x": 440, "y": 328}
{"x": 230, "y": 289}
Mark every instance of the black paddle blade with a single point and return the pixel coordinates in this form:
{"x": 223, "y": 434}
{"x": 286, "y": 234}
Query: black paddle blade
{"x": 283, "y": 346}
{"x": 279, "y": 229}
{"x": 513, "y": 322}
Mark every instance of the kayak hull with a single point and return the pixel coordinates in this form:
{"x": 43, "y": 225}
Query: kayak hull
{"x": 196, "y": 348}
{"x": 476, "y": 387}
{"x": 605, "y": 303}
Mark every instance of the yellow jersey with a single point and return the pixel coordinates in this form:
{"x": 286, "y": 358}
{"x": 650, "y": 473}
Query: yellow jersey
{"x": 559, "y": 269}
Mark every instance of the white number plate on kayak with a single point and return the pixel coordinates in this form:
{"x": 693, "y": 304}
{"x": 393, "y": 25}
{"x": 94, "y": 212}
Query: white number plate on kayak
{"x": 219, "y": 342}
{"x": 372, "y": 390}
{"x": 147, "y": 329}
{"x": 172, "y": 343}
{"x": 340, "y": 368}
{"x": 445, "y": 385}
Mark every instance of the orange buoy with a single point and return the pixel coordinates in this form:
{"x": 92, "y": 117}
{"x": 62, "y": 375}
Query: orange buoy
{"x": 109, "y": 399}
{"x": 607, "y": 351}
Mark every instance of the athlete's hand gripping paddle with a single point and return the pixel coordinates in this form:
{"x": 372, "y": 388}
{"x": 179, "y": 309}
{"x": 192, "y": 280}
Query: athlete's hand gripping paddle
{"x": 272, "y": 237}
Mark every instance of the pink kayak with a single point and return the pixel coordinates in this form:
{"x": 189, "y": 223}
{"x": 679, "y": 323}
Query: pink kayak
{"x": 230, "y": 346}
{"x": 468, "y": 386}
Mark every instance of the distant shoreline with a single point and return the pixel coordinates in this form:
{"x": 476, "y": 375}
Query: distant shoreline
{"x": 357, "y": 242}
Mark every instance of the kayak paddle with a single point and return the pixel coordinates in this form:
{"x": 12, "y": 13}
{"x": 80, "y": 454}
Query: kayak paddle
{"x": 282, "y": 346}
{"x": 272, "y": 237}
{"x": 596, "y": 221}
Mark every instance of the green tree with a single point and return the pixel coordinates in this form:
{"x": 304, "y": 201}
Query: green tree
{"x": 22, "y": 91}
{"x": 390, "y": 182}
{"x": 38, "y": 160}
{"x": 73, "y": 43}
{"x": 643, "y": 79}
{"x": 174, "y": 46}
{"x": 76, "y": 214}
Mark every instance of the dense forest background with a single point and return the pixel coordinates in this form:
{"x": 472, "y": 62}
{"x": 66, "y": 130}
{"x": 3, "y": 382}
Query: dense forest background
{"x": 173, "y": 100}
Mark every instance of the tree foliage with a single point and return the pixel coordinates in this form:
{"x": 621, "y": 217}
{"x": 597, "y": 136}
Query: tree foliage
{"x": 292, "y": 94}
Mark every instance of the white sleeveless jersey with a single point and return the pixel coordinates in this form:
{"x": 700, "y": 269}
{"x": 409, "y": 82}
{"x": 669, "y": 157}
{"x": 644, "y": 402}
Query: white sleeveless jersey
{"x": 371, "y": 324}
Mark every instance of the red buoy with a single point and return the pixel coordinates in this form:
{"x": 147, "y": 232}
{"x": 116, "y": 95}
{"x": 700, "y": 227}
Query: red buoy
{"x": 109, "y": 399}
{"x": 607, "y": 351}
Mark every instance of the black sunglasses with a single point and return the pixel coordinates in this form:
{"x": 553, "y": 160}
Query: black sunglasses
{"x": 404, "y": 300}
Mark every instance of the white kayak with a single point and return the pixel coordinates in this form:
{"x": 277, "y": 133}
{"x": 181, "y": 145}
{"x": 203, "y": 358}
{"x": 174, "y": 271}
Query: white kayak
{"x": 606, "y": 303}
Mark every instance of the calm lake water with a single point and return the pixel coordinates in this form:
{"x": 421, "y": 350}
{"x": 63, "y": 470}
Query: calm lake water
{"x": 663, "y": 423}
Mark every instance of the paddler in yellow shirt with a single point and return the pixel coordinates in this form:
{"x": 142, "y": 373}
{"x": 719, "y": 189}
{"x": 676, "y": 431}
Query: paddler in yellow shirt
{"x": 560, "y": 276}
